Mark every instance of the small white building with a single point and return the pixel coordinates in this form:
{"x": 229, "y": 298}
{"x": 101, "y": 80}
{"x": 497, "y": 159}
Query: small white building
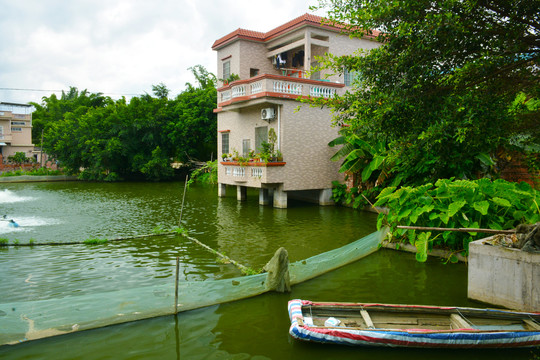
{"x": 261, "y": 107}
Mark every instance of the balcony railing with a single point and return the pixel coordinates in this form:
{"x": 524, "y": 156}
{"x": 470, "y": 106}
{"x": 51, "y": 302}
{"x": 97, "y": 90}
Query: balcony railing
{"x": 252, "y": 171}
{"x": 273, "y": 85}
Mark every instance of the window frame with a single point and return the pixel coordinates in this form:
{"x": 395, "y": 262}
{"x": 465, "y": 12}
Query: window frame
{"x": 225, "y": 144}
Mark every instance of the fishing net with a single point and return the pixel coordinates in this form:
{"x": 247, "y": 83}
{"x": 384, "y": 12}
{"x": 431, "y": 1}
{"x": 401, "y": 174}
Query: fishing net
{"x": 29, "y": 320}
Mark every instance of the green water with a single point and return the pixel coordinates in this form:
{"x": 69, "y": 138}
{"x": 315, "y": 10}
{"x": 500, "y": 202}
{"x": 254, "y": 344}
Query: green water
{"x": 255, "y": 328}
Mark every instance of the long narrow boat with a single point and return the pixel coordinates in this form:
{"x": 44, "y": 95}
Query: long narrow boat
{"x": 412, "y": 325}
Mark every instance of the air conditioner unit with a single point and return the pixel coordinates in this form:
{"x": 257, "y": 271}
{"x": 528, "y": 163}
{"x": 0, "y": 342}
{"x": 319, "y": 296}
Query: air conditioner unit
{"x": 267, "y": 114}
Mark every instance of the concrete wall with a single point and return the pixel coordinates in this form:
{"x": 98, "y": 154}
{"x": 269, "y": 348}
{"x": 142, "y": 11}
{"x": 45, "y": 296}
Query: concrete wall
{"x": 504, "y": 276}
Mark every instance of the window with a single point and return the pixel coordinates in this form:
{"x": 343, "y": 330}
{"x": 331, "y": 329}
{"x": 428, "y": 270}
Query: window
{"x": 16, "y": 129}
{"x": 261, "y": 135}
{"x": 226, "y": 69}
{"x": 253, "y": 72}
{"x": 225, "y": 143}
{"x": 246, "y": 147}
{"x": 18, "y": 123}
{"x": 349, "y": 76}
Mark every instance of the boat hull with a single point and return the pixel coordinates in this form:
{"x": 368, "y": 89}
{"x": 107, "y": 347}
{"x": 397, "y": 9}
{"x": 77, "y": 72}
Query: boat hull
{"x": 302, "y": 328}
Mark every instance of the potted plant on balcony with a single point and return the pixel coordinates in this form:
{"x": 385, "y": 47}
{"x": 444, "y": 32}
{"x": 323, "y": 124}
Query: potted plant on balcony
{"x": 230, "y": 79}
{"x": 279, "y": 155}
{"x": 235, "y": 155}
{"x": 224, "y": 156}
{"x": 265, "y": 157}
{"x": 252, "y": 155}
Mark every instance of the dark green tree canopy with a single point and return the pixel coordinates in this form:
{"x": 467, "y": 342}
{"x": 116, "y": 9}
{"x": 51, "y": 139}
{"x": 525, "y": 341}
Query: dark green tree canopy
{"x": 114, "y": 140}
{"x": 453, "y": 82}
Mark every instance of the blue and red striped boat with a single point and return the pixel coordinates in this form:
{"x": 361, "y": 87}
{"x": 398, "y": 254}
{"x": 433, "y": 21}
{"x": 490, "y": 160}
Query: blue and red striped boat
{"x": 412, "y": 325}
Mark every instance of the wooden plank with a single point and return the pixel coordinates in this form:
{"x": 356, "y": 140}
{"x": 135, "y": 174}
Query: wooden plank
{"x": 367, "y": 319}
{"x": 485, "y": 231}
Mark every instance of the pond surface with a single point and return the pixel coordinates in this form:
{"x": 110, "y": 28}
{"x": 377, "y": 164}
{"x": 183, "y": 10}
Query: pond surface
{"x": 255, "y": 328}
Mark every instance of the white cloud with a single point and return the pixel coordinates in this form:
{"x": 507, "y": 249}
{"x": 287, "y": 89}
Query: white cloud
{"x": 121, "y": 46}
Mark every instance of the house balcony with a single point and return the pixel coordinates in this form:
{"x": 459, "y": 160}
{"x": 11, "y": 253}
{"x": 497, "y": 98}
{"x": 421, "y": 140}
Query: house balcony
{"x": 289, "y": 86}
{"x": 252, "y": 174}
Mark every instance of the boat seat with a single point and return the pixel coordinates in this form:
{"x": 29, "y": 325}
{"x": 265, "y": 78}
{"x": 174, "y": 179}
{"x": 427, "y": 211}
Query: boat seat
{"x": 532, "y": 324}
{"x": 367, "y": 319}
{"x": 458, "y": 322}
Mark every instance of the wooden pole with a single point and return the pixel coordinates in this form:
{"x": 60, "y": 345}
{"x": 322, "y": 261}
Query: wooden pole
{"x": 176, "y": 286}
{"x": 183, "y": 198}
{"x": 487, "y": 231}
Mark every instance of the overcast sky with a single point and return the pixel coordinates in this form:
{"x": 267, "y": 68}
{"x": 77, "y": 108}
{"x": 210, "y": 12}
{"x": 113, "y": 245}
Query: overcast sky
{"x": 121, "y": 47}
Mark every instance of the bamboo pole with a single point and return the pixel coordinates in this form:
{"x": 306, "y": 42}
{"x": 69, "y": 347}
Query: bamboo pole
{"x": 176, "y": 286}
{"x": 487, "y": 231}
{"x": 183, "y": 198}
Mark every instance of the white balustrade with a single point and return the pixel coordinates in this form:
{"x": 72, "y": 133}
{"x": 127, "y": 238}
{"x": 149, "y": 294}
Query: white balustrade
{"x": 286, "y": 87}
{"x": 239, "y": 171}
{"x": 321, "y": 91}
{"x": 256, "y": 87}
{"x": 239, "y": 91}
{"x": 226, "y": 95}
{"x": 257, "y": 172}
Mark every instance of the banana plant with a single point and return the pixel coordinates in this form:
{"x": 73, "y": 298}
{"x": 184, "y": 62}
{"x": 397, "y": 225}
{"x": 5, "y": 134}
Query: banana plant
{"x": 361, "y": 156}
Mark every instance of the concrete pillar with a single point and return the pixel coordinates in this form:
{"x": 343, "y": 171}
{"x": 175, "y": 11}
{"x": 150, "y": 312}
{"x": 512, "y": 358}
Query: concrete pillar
{"x": 222, "y": 190}
{"x": 325, "y": 197}
{"x": 241, "y": 193}
{"x": 280, "y": 198}
{"x": 264, "y": 197}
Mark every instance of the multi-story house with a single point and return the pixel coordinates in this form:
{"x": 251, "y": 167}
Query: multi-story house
{"x": 259, "y": 112}
{"x": 15, "y": 130}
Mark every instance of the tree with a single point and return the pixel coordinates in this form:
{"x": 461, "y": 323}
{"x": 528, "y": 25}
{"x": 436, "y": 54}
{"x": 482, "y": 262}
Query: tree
{"x": 53, "y": 109}
{"x": 113, "y": 140}
{"x": 453, "y": 82}
{"x": 160, "y": 91}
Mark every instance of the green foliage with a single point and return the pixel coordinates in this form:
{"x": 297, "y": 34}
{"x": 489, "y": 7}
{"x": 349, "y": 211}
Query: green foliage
{"x": 355, "y": 197}
{"x": 95, "y": 241}
{"x": 456, "y": 204}
{"x": 4, "y": 242}
{"x": 114, "y": 140}
{"x": 180, "y": 230}
{"x": 451, "y": 83}
{"x": 33, "y": 172}
{"x": 206, "y": 174}
{"x": 19, "y": 158}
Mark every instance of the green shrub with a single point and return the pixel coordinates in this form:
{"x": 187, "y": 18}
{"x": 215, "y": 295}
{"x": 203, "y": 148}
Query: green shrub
{"x": 95, "y": 241}
{"x": 453, "y": 204}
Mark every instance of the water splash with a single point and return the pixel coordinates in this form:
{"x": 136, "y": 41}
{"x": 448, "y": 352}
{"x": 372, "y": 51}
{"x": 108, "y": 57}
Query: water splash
{"x": 26, "y": 223}
{"x": 8, "y": 197}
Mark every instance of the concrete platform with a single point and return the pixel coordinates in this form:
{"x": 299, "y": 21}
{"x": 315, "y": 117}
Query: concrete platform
{"x": 504, "y": 276}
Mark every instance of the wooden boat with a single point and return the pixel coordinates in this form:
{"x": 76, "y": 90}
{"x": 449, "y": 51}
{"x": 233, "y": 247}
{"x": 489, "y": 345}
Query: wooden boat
{"x": 412, "y": 325}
